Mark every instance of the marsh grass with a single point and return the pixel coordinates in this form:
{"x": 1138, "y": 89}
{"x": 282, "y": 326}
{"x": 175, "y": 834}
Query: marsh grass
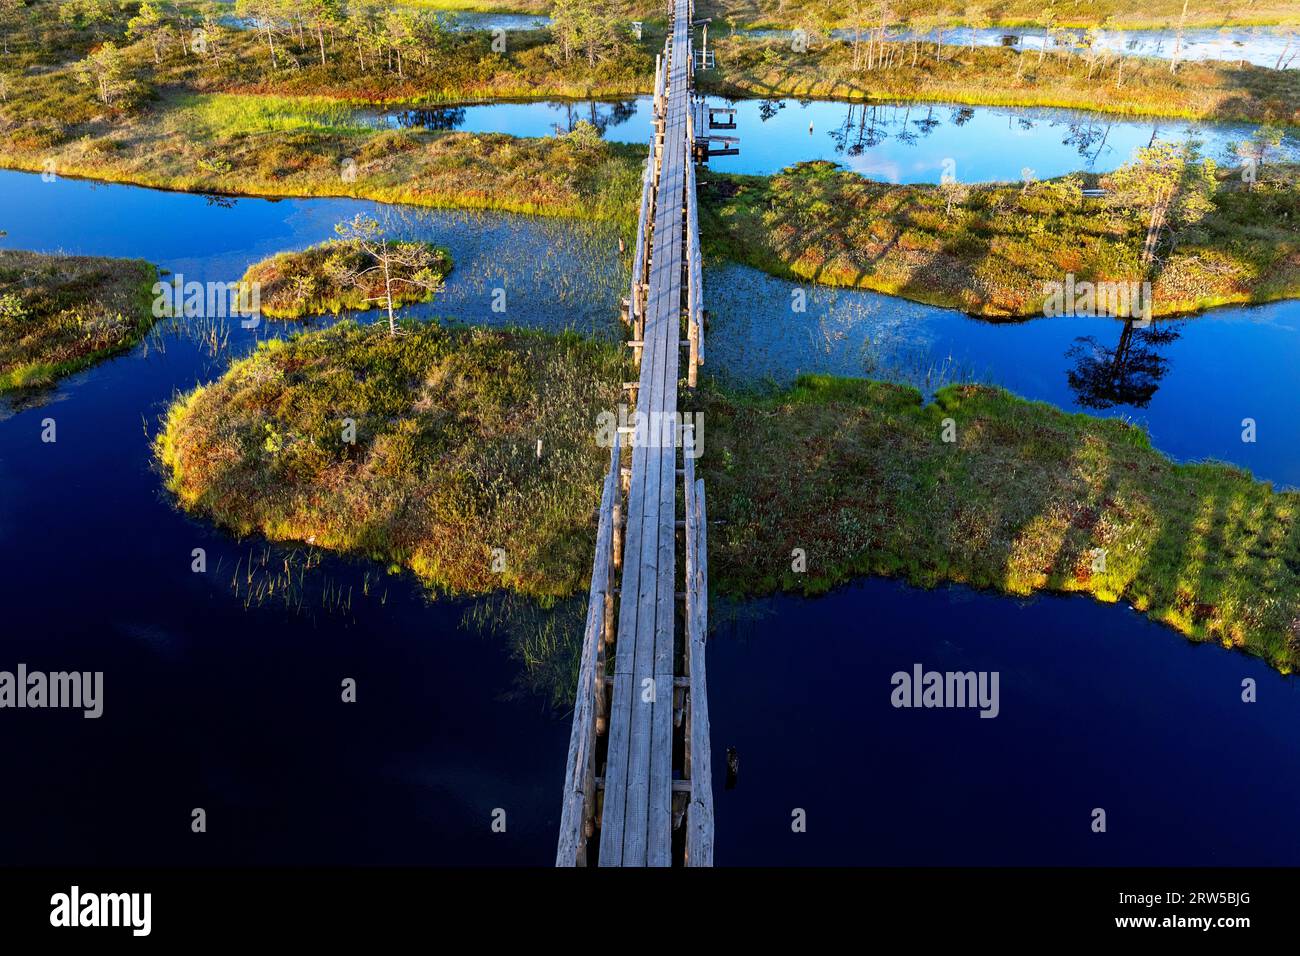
{"x": 302, "y": 283}
{"x": 992, "y": 76}
{"x": 855, "y": 473}
{"x": 993, "y": 252}
{"x": 226, "y": 114}
{"x": 1110, "y": 14}
{"x": 305, "y": 148}
{"x": 60, "y": 314}
{"x": 444, "y": 466}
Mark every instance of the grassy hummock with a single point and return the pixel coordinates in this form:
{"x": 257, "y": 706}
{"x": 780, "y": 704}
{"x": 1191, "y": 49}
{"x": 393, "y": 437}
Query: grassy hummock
{"x": 859, "y": 476}
{"x": 60, "y": 314}
{"x": 294, "y": 150}
{"x": 1110, "y": 14}
{"x": 444, "y": 466}
{"x": 856, "y": 473}
{"x": 993, "y": 76}
{"x": 306, "y": 282}
{"x": 991, "y": 250}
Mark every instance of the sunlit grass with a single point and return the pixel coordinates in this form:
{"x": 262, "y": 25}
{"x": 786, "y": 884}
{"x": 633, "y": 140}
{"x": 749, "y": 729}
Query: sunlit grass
{"x": 60, "y": 314}
{"x": 226, "y": 114}
{"x": 444, "y": 468}
{"x": 857, "y": 474}
{"x": 993, "y": 252}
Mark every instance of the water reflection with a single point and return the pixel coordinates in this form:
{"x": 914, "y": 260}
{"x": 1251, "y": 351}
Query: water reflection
{"x": 1268, "y": 47}
{"x": 896, "y": 142}
{"x": 560, "y": 116}
{"x": 1129, "y": 374}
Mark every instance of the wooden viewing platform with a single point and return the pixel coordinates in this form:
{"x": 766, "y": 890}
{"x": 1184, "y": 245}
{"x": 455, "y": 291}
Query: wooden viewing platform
{"x": 638, "y": 768}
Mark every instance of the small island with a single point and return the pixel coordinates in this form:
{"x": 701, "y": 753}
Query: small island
{"x": 60, "y": 314}
{"x": 440, "y": 467}
{"x": 362, "y": 270}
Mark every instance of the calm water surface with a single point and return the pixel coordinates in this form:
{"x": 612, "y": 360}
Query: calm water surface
{"x": 1261, "y": 46}
{"x": 899, "y": 143}
{"x": 218, "y": 696}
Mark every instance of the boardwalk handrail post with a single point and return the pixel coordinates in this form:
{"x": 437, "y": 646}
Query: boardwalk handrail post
{"x": 699, "y": 810}
{"x": 649, "y": 690}
{"x": 577, "y": 811}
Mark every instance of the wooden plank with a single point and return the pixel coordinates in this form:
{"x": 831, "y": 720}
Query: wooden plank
{"x": 579, "y": 777}
{"x": 650, "y": 401}
{"x": 699, "y": 815}
{"x": 637, "y": 823}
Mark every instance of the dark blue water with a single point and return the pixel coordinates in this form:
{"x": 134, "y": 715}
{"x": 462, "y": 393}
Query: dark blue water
{"x": 1099, "y": 709}
{"x": 893, "y": 142}
{"x": 1189, "y": 382}
{"x": 222, "y": 694}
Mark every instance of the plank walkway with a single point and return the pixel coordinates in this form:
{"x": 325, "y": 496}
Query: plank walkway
{"x": 639, "y": 750}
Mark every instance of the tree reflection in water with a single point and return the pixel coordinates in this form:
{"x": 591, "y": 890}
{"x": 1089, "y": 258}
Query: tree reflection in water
{"x": 1129, "y": 374}
{"x": 435, "y": 118}
{"x": 598, "y": 114}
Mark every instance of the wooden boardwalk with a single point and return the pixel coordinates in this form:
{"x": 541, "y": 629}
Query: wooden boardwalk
{"x": 638, "y": 766}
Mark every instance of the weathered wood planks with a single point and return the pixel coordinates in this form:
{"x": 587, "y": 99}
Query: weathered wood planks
{"x": 580, "y": 776}
{"x": 636, "y": 820}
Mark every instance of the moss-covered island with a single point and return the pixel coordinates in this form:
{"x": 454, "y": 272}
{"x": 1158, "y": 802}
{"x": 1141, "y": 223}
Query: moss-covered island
{"x": 60, "y": 314}
{"x": 993, "y": 249}
{"x": 341, "y": 275}
{"x": 1023, "y": 498}
{"x": 444, "y": 468}
{"x": 440, "y": 465}
{"x": 1083, "y": 78}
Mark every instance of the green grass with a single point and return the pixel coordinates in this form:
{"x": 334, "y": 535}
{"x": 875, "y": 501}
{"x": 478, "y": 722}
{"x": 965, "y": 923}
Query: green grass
{"x": 1001, "y": 243}
{"x": 60, "y": 314}
{"x": 991, "y": 76}
{"x": 285, "y": 146}
{"x": 226, "y": 115}
{"x": 297, "y": 284}
{"x": 857, "y": 474}
{"x": 444, "y": 468}
{"x": 1111, "y": 14}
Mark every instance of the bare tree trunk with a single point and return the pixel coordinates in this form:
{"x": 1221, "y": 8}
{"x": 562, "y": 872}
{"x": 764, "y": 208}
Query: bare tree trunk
{"x": 1178, "y": 39}
{"x": 388, "y": 296}
{"x": 1290, "y": 37}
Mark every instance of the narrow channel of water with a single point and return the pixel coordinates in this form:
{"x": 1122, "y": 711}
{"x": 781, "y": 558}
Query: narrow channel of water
{"x": 1189, "y": 382}
{"x": 1274, "y": 47}
{"x": 222, "y": 692}
{"x": 893, "y": 142}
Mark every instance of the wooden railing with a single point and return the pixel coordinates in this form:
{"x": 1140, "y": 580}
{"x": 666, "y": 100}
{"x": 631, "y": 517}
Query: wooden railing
{"x": 699, "y": 812}
{"x": 577, "y": 814}
{"x": 640, "y": 258}
{"x": 694, "y": 270}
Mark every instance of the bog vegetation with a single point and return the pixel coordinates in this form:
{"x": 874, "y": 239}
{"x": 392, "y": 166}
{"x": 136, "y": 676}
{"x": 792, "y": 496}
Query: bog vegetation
{"x": 60, "y": 314}
{"x": 362, "y": 270}
{"x": 420, "y": 450}
{"x": 1022, "y": 498}
{"x": 1199, "y": 235}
